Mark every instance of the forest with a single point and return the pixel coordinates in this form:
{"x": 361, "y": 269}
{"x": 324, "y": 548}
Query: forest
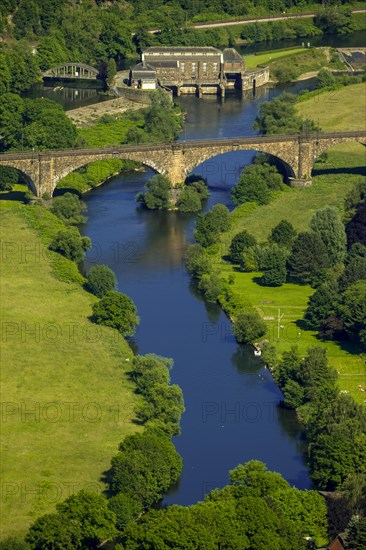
{"x": 38, "y": 35}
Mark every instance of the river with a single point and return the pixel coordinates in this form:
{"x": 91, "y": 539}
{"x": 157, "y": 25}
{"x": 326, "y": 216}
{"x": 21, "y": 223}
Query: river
{"x": 232, "y": 413}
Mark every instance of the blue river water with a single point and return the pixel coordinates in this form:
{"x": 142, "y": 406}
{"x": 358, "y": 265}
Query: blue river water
{"x": 232, "y": 413}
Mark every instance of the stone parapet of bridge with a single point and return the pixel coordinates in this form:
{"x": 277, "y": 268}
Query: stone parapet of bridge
{"x": 44, "y": 170}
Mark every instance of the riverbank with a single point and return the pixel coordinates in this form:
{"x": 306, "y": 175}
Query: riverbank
{"x": 283, "y": 307}
{"x": 87, "y": 116}
{"x": 63, "y": 378}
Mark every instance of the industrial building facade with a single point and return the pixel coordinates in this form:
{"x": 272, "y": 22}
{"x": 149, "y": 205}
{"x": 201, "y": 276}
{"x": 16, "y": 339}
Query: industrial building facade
{"x": 197, "y": 70}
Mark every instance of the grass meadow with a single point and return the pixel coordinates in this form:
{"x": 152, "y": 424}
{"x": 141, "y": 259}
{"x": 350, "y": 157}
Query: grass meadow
{"x": 337, "y": 110}
{"x": 66, "y": 400}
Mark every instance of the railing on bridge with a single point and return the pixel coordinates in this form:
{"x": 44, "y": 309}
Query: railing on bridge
{"x": 72, "y": 71}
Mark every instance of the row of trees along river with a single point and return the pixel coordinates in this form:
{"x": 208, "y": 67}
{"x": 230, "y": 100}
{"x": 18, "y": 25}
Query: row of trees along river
{"x": 232, "y": 413}
{"x": 232, "y": 403}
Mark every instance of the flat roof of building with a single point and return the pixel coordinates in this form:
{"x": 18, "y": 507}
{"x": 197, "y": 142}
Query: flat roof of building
{"x": 181, "y": 50}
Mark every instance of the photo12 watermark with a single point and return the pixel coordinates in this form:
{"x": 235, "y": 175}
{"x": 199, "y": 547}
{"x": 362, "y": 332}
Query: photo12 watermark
{"x": 67, "y": 412}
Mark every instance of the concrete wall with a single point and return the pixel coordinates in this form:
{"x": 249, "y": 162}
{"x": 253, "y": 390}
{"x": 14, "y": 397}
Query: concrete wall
{"x": 260, "y": 76}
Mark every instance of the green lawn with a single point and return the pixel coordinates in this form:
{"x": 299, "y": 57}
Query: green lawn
{"x": 252, "y": 61}
{"x": 297, "y": 206}
{"x": 342, "y": 109}
{"x": 65, "y": 369}
{"x": 106, "y": 135}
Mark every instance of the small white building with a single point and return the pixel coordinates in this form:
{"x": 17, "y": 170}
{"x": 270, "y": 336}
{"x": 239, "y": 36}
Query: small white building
{"x": 143, "y": 76}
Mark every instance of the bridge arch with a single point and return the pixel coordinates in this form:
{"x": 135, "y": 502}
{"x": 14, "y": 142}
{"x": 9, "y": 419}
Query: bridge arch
{"x": 285, "y": 155}
{"x": 228, "y": 165}
{"x": 81, "y": 163}
{"x": 25, "y": 176}
{"x": 324, "y": 146}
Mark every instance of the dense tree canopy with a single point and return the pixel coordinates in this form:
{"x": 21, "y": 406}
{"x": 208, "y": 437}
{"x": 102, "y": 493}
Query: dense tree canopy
{"x": 118, "y": 311}
{"x": 239, "y": 243}
{"x": 82, "y": 521}
{"x": 327, "y": 223}
{"x": 255, "y": 184}
{"x": 146, "y": 466}
{"x": 279, "y": 117}
{"x": 34, "y": 124}
{"x": 258, "y": 510}
{"x": 309, "y": 256}
{"x": 101, "y": 279}
{"x": 211, "y": 224}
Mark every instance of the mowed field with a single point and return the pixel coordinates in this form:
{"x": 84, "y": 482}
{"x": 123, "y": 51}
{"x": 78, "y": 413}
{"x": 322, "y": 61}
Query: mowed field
{"x": 66, "y": 399}
{"x": 337, "y": 110}
{"x": 252, "y": 61}
{"x": 285, "y": 306}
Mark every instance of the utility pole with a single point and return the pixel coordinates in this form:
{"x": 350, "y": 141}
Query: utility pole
{"x": 279, "y": 317}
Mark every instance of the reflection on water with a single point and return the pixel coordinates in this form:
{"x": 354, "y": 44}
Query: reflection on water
{"x": 69, "y": 97}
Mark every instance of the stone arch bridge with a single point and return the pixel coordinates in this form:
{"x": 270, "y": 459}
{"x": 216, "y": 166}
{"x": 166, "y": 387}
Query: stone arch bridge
{"x": 45, "y": 169}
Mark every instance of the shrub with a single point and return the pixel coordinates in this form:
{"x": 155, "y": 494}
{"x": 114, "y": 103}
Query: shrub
{"x": 211, "y": 286}
{"x": 255, "y": 184}
{"x": 199, "y": 184}
{"x": 211, "y": 224}
{"x": 101, "y": 279}
{"x": 325, "y": 78}
{"x": 157, "y": 194}
{"x": 68, "y": 209}
{"x": 197, "y": 261}
{"x": 118, "y": 311}
{"x": 249, "y": 327}
{"x": 189, "y": 200}
{"x": 283, "y": 233}
{"x": 70, "y": 244}
{"x": 273, "y": 263}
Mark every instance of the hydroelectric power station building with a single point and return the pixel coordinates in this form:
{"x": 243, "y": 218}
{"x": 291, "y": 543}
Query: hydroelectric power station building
{"x": 198, "y": 70}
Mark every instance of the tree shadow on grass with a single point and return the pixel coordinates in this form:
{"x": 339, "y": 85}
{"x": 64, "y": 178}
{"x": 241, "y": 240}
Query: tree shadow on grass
{"x": 13, "y": 196}
{"x": 356, "y": 170}
{"x": 344, "y": 343}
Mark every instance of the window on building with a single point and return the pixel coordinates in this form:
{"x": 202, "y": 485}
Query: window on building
{"x": 204, "y": 68}
{"x": 215, "y": 67}
{"x": 193, "y": 69}
{"x": 182, "y": 68}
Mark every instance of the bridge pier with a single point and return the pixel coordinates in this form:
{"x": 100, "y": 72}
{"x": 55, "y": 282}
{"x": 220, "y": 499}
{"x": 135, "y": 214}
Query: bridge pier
{"x": 306, "y": 158}
{"x": 175, "y": 166}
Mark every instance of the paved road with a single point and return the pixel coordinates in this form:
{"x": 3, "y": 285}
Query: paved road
{"x": 246, "y": 21}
